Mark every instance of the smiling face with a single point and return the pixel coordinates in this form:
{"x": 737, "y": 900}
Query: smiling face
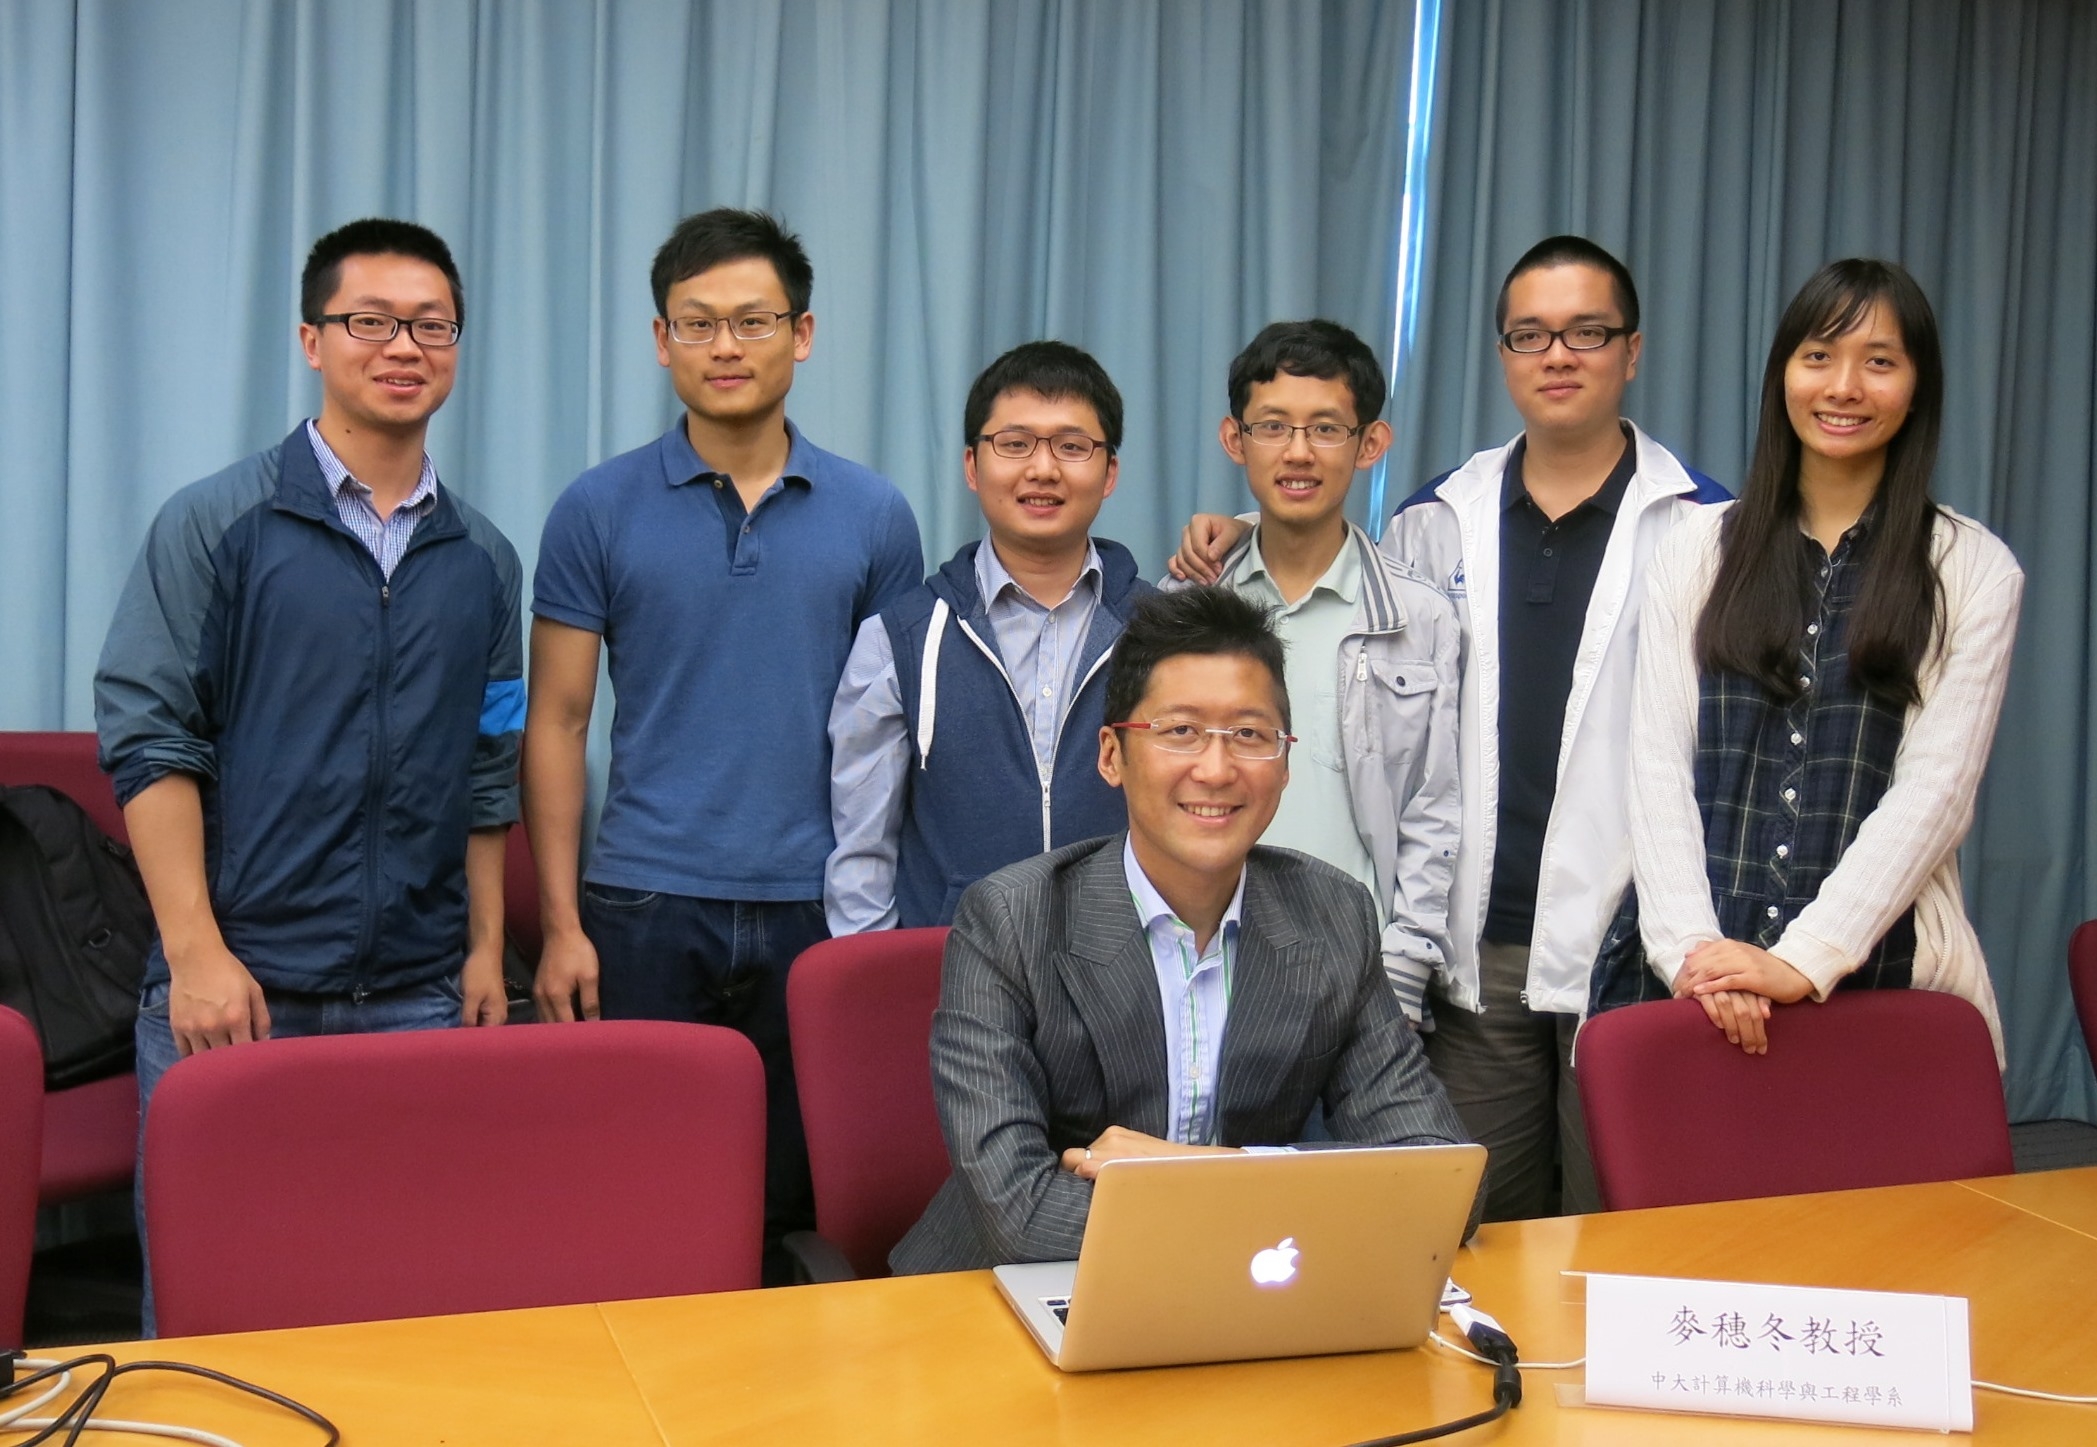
{"x": 391, "y": 386}
{"x": 1040, "y": 505}
{"x": 1849, "y": 396}
{"x": 1194, "y": 817}
{"x": 727, "y": 381}
{"x": 1558, "y": 391}
{"x": 1299, "y": 486}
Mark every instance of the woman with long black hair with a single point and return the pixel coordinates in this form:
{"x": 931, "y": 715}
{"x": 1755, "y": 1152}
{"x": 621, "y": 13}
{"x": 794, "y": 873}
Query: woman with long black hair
{"x": 1820, "y": 670}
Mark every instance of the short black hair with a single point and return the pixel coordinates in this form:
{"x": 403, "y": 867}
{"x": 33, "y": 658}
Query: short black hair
{"x": 1210, "y": 620}
{"x": 1055, "y": 370}
{"x": 1318, "y": 348}
{"x": 1572, "y": 251}
{"x": 704, "y": 241}
{"x": 373, "y": 236}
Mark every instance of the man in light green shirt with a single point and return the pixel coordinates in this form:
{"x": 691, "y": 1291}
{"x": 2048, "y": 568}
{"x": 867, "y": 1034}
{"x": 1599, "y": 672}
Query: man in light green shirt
{"x": 1316, "y": 814}
{"x": 1372, "y": 651}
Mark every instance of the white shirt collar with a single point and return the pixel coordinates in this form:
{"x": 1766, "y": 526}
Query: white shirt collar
{"x": 992, "y": 577}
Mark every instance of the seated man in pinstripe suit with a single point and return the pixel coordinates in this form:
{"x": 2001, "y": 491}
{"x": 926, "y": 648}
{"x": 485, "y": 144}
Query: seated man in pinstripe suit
{"x": 1170, "y": 990}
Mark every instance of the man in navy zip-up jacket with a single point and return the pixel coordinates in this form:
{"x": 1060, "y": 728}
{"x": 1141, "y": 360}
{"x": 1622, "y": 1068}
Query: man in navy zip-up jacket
{"x": 965, "y": 733}
{"x": 311, "y": 696}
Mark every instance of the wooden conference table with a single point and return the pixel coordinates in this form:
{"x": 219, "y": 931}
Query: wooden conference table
{"x": 941, "y": 1360}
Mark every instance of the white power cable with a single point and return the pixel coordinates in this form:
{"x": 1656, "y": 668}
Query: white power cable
{"x": 16, "y": 1421}
{"x": 2029, "y": 1392}
{"x": 58, "y": 1389}
{"x": 1441, "y": 1341}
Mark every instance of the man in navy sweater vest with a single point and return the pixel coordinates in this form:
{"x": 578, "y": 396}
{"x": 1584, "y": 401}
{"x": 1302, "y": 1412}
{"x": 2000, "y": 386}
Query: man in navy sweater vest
{"x": 964, "y": 736}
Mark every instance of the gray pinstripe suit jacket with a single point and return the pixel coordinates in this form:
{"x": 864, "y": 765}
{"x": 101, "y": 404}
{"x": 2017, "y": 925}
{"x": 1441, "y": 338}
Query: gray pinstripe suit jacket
{"x": 1050, "y": 1029}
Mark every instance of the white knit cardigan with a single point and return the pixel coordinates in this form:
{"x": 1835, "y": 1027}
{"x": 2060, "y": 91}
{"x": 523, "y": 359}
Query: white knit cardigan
{"x": 1906, "y": 850}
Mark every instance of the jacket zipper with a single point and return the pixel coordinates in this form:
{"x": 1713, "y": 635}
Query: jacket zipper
{"x": 375, "y": 789}
{"x": 1046, "y": 776}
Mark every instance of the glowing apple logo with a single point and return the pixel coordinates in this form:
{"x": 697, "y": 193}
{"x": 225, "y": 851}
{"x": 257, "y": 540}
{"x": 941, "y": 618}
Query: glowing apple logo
{"x": 1275, "y": 1266}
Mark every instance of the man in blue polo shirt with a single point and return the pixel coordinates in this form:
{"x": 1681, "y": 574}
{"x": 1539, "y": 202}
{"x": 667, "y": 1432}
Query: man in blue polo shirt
{"x": 725, "y": 566}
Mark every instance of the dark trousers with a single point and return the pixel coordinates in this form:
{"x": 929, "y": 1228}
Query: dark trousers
{"x": 1509, "y": 1073}
{"x": 717, "y": 962}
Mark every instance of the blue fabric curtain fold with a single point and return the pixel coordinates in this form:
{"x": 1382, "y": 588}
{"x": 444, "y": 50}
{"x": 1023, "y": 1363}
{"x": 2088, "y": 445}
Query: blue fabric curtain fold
{"x": 1725, "y": 149}
{"x": 1151, "y": 181}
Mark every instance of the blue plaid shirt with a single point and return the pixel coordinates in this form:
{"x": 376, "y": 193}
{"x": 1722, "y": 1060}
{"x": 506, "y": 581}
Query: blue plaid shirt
{"x": 1783, "y": 785}
{"x": 386, "y": 537}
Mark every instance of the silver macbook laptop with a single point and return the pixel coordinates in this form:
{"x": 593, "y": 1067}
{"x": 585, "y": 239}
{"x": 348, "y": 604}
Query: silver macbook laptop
{"x": 1224, "y": 1258}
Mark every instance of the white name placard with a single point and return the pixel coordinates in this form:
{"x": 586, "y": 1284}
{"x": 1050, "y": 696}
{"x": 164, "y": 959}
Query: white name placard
{"x": 1877, "y": 1358}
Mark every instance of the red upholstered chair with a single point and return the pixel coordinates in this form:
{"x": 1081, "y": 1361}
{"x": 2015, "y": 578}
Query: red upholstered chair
{"x": 21, "y": 1135}
{"x": 860, "y": 1013}
{"x": 66, "y": 762}
{"x": 357, "y": 1177}
{"x": 90, "y": 1131}
{"x": 2082, "y": 980}
{"x": 1871, "y": 1088}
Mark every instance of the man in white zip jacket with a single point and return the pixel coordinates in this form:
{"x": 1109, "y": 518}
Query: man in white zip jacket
{"x": 1542, "y": 546}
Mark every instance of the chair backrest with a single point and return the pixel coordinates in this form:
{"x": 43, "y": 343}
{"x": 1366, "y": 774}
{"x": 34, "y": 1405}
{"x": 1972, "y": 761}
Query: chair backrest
{"x": 66, "y": 762}
{"x": 860, "y": 1013}
{"x": 21, "y": 1143}
{"x": 358, "y": 1177}
{"x": 520, "y": 896}
{"x": 2082, "y": 980}
{"x": 1871, "y": 1088}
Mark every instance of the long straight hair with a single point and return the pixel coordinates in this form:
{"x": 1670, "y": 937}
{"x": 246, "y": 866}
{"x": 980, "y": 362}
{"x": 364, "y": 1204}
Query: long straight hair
{"x": 1763, "y": 593}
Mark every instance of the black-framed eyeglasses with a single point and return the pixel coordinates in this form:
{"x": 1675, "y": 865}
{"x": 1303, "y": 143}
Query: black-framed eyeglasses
{"x": 1587, "y": 337}
{"x": 1016, "y": 444}
{"x": 1253, "y": 743}
{"x": 743, "y": 326}
{"x": 1274, "y": 433}
{"x": 379, "y": 327}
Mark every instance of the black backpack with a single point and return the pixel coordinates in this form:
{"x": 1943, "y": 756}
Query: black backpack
{"x": 74, "y": 931}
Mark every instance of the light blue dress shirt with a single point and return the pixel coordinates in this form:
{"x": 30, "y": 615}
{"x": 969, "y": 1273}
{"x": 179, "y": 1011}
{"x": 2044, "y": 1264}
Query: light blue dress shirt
{"x": 870, "y": 737}
{"x": 386, "y": 537}
{"x": 1194, "y": 986}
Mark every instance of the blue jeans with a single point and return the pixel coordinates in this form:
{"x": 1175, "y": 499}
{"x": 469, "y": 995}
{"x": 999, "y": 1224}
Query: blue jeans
{"x": 430, "y": 1006}
{"x": 717, "y": 962}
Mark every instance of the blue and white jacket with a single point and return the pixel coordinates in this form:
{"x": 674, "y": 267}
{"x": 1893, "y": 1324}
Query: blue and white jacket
{"x": 956, "y": 792}
{"x": 346, "y": 730}
{"x": 1449, "y": 533}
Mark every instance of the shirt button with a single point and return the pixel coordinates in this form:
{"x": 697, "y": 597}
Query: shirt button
{"x": 1771, "y": 911}
{"x": 1783, "y": 851}
{"x": 1803, "y": 680}
{"x": 1812, "y": 630}
{"x": 1547, "y": 552}
{"x": 1048, "y": 693}
{"x": 1790, "y": 795}
{"x": 717, "y": 484}
{"x": 1798, "y": 738}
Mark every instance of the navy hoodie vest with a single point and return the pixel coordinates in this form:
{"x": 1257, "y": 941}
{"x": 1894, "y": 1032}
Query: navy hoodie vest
{"x": 976, "y": 800}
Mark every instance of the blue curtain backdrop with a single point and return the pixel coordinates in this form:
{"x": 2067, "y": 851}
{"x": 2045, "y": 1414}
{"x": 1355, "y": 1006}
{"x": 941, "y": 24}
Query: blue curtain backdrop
{"x": 1152, "y": 181}
{"x": 1726, "y": 149}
